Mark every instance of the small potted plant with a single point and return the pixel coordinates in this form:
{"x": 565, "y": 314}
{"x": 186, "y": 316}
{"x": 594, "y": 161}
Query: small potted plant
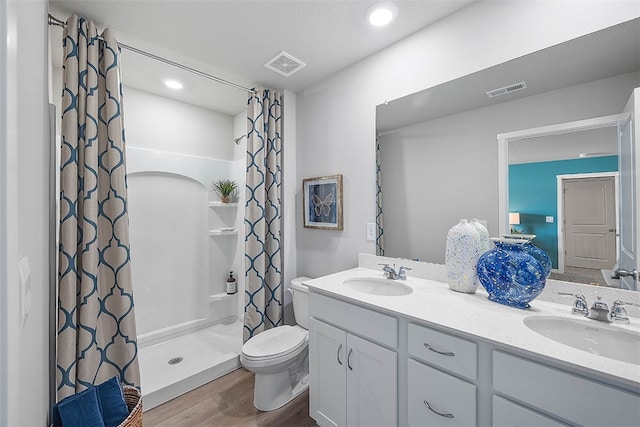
{"x": 225, "y": 188}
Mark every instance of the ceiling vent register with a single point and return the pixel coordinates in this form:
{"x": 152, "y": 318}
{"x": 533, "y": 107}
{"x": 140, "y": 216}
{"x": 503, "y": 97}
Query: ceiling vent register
{"x": 507, "y": 89}
{"x": 285, "y": 64}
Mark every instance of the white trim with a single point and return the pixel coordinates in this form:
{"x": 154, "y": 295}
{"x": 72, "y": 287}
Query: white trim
{"x": 560, "y": 208}
{"x": 4, "y": 279}
{"x": 557, "y": 129}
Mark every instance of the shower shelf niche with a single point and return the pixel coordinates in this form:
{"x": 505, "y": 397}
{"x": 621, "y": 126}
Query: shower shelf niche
{"x": 213, "y": 233}
{"x": 221, "y": 296}
{"x": 222, "y": 205}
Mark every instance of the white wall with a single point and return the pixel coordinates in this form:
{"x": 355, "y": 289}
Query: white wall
{"x": 455, "y": 159}
{"x": 4, "y": 220}
{"x": 25, "y": 215}
{"x": 289, "y": 199}
{"x": 160, "y": 123}
{"x": 336, "y": 117}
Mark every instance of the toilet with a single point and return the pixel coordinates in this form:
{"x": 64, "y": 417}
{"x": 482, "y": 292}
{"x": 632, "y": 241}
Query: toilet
{"x": 280, "y": 356}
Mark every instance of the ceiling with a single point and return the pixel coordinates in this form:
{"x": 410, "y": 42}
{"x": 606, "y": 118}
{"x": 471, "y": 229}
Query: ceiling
{"x": 606, "y": 53}
{"x": 233, "y": 39}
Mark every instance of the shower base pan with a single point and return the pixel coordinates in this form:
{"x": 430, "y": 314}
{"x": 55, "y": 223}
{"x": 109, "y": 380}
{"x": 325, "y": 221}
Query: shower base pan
{"x": 171, "y": 368}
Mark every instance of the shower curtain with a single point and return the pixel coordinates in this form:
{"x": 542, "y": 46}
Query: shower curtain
{"x": 96, "y": 324}
{"x": 263, "y": 255}
{"x": 379, "y": 214}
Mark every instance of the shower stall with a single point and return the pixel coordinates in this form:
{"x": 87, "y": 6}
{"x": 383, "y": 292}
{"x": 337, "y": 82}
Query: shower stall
{"x": 183, "y": 246}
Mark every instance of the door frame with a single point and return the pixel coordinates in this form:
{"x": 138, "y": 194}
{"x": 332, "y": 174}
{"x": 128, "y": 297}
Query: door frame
{"x": 560, "y": 209}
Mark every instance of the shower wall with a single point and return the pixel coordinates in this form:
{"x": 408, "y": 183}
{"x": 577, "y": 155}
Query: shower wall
{"x": 168, "y": 250}
{"x": 174, "y": 152}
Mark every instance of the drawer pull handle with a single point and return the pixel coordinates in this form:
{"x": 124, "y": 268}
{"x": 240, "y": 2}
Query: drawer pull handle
{"x": 338, "y": 355}
{"x": 436, "y": 412}
{"x": 349, "y": 359}
{"x": 444, "y": 353}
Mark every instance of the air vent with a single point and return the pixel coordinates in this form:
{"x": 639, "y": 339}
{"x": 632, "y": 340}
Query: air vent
{"x": 285, "y": 64}
{"x": 507, "y": 89}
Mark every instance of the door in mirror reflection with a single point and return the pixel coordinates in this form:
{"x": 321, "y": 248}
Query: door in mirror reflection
{"x": 590, "y": 224}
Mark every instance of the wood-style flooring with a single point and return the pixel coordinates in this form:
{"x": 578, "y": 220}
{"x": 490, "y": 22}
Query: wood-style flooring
{"x": 227, "y": 401}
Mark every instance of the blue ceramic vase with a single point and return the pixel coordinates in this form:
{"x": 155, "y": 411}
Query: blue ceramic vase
{"x": 533, "y": 250}
{"x": 510, "y": 274}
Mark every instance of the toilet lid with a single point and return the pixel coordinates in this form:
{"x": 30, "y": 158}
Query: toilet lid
{"x": 274, "y": 342}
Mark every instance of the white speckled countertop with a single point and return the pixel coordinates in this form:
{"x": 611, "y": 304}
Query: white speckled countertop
{"x": 473, "y": 314}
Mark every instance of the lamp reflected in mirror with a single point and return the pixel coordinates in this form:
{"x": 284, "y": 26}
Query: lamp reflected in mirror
{"x": 514, "y": 219}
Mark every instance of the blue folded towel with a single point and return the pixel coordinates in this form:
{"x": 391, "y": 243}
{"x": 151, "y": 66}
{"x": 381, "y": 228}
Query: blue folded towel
{"x": 114, "y": 407}
{"x": 109, "y": 400}
{"x": 81, "y": 410}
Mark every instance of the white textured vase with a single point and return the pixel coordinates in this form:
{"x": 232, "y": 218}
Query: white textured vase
{"x": 462, "y": 253}
{"x": 485, "y": 242}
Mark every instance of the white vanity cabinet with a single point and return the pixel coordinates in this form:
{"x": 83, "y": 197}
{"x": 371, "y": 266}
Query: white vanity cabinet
{"x": 407, "y": 361}
{"x": 353, "y": 381}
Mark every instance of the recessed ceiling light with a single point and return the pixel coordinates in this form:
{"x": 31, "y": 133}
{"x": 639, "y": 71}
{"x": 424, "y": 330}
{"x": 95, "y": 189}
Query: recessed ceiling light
{"x": 173, "y": 84}
{"x": 382, "y": 13}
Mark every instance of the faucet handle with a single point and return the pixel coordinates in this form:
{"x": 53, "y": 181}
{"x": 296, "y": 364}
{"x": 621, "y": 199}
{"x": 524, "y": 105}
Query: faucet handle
{"x": 618, "y": 313}
{"x": 402, "y": 272}
{"x": 579, "y": 305}
{"x": 389, "y": 272}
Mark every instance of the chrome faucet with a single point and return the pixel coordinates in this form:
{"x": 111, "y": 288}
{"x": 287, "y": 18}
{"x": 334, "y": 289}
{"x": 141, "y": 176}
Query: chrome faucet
{"x": 599, "y": 310}
{"x": 390, "y": 272}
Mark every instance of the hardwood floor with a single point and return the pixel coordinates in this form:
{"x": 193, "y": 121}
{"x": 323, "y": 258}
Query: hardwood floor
{"x": 227, "y": 401}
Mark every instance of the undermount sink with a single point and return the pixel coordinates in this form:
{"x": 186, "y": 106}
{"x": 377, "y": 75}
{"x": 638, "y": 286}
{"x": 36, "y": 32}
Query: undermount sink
{"x": 373, "y": 286}
{"x": 589, "y": 335}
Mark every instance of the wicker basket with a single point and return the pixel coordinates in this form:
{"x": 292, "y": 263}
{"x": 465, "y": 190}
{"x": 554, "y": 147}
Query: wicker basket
{"x": 134, "y": 403}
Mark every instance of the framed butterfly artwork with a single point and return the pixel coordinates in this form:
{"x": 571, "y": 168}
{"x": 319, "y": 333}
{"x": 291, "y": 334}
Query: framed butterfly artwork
{"x": 322, "y": 202}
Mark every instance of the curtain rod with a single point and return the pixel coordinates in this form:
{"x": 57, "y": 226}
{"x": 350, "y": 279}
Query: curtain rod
{"x": 56, "y": 22}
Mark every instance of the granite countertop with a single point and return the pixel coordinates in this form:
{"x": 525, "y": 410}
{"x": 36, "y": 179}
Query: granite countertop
{"x": 474, "y": 315}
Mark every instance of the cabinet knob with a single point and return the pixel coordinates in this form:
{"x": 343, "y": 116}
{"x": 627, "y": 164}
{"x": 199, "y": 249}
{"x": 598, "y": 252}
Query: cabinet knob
{"x": 349, "y": 359}
{"x": 442, "y": 414}
{"x": 338, "y": 355}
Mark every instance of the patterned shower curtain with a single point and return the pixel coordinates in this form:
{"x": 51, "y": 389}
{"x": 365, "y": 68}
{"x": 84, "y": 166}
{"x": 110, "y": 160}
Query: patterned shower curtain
{"x": 263, "y": 255}
{"x": 379, "y": 215}
{"x": 96, "y": 324}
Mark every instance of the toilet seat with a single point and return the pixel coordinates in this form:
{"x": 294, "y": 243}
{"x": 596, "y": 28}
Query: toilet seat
{"x": 280, "y": 343}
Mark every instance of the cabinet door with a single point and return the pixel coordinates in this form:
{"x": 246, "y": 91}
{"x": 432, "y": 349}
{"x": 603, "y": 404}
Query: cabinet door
{"x": 327, "y": 377}
{"x": 371, "y": 384}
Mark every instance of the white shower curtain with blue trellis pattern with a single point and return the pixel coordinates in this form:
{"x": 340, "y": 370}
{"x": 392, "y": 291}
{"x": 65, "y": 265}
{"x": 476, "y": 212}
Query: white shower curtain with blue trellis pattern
{"x": 379, "y": 212}
{"x": 263, "y": 214}
{"x": 96, "y": 324}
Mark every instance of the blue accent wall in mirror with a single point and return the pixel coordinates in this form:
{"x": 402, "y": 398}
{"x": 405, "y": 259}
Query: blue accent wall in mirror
{"x": 533, "y": 193}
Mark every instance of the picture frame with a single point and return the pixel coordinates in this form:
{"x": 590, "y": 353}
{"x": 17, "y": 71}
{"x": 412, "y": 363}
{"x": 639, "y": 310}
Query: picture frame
{"x": 322, "y": 202}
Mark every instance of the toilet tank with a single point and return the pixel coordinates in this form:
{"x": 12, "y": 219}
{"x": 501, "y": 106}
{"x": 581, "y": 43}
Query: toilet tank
{"x": 300, "y": 295}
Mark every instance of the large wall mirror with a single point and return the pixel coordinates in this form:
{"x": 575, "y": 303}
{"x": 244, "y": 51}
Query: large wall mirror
{"x": 439, "y": 157}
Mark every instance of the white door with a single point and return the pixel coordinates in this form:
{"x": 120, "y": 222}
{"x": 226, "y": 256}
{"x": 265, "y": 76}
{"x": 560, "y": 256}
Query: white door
{"x": 327, "y": 376}
{"x": 372, "y": 397}
{"x": 590, "y": 222}
{"x": 628, "y": 159}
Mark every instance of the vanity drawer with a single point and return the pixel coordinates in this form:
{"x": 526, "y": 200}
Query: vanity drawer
{"x": 508, "y": 414}
{"x": 451, "y": 397}
{"x": 371, "y": 324}
{"x": 447, "y": 351}
{"x": 556, "y": 392}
